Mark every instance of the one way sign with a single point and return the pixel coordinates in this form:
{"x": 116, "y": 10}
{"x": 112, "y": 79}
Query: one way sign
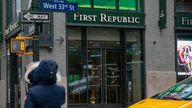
{"x": 30, "y": 16}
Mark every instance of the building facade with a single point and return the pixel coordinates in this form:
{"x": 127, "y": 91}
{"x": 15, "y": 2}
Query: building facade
{"x": 110, "y": 53}
{"x": 105, "y": 53}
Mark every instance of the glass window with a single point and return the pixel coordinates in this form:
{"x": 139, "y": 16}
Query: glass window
{"x": 127, "y": 5}
{"x": 99, "y": 38}
{"x": 183, "y": 5}
{"x": 107, "y": 4}
{"x": 77, "y": 82}
{"x": 181, "y": 91}
{"x": 132, "y": 5}
{"x": 82, "y": 3}
{"x": 18, "y": 7}
{"x": 134, "y": 59}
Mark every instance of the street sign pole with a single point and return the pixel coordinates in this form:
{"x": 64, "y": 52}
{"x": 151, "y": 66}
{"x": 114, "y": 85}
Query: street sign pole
{"x": 19, "y": 78}
{"x": 36, "y": 42}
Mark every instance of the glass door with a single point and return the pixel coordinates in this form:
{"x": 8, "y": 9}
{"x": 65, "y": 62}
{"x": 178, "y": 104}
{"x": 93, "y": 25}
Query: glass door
{"x": 103, "y": 76}
{"x": 112, "y": 76}
{"x": 94, "y": 76}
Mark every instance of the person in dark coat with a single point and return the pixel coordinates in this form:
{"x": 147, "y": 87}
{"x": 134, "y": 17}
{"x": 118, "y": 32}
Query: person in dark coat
{"x": 44, "y": 92}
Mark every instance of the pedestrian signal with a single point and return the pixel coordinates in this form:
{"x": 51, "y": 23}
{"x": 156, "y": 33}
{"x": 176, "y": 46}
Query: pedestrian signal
{"x": 18, "y": 45}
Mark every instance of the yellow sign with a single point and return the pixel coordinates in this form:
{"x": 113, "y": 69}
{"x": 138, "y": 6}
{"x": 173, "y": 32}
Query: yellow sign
{"x": 23, "y": 38}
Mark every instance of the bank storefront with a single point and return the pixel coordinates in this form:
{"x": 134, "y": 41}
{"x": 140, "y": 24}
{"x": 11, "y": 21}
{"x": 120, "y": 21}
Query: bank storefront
{"x": 105, "y": 58}
{"x": 183, "y": 27}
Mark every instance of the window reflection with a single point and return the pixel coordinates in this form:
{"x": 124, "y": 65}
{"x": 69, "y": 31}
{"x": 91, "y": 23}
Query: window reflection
{"x": 77, "y": 82}
{"x": 18, "y": 7}
{"x": 134, "y": 57}
{"x": 130, "y": 5}
{"x": 127, "y": 4}
{"x": 82, "y": 3}
{"x": 183, "y": 5}
{"x": 180, "y": 91}
{"x": 107, "y": 4}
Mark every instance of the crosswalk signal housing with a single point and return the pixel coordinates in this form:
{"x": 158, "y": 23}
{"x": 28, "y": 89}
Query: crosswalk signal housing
{"x": 18, "y": 45}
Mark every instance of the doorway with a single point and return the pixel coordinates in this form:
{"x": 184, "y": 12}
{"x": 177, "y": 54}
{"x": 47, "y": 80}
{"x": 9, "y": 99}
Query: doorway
{"x": 103, "y": 59}
{"x": 104, "y": 76}
{"x": 105, "y": 67}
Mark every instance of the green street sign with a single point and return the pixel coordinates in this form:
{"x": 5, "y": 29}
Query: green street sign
{"x": 106, "y": 18}
{"x": 162, "y": 14}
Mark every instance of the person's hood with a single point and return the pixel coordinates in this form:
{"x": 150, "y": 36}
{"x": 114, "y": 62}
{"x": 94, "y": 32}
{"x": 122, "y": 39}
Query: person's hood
{"x": 44, "y": 72}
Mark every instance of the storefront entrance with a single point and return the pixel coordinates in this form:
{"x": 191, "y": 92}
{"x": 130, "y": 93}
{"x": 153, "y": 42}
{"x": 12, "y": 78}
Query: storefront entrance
{"x": 104, "y": 76}
{"x": 105, "y": 67}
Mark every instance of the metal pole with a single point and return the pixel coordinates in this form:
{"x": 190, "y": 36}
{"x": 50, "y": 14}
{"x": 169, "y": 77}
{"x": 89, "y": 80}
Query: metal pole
{"x": 36, "y": 43}
{"x": 16, "y": 96}
{"x": 19, "y": 80}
